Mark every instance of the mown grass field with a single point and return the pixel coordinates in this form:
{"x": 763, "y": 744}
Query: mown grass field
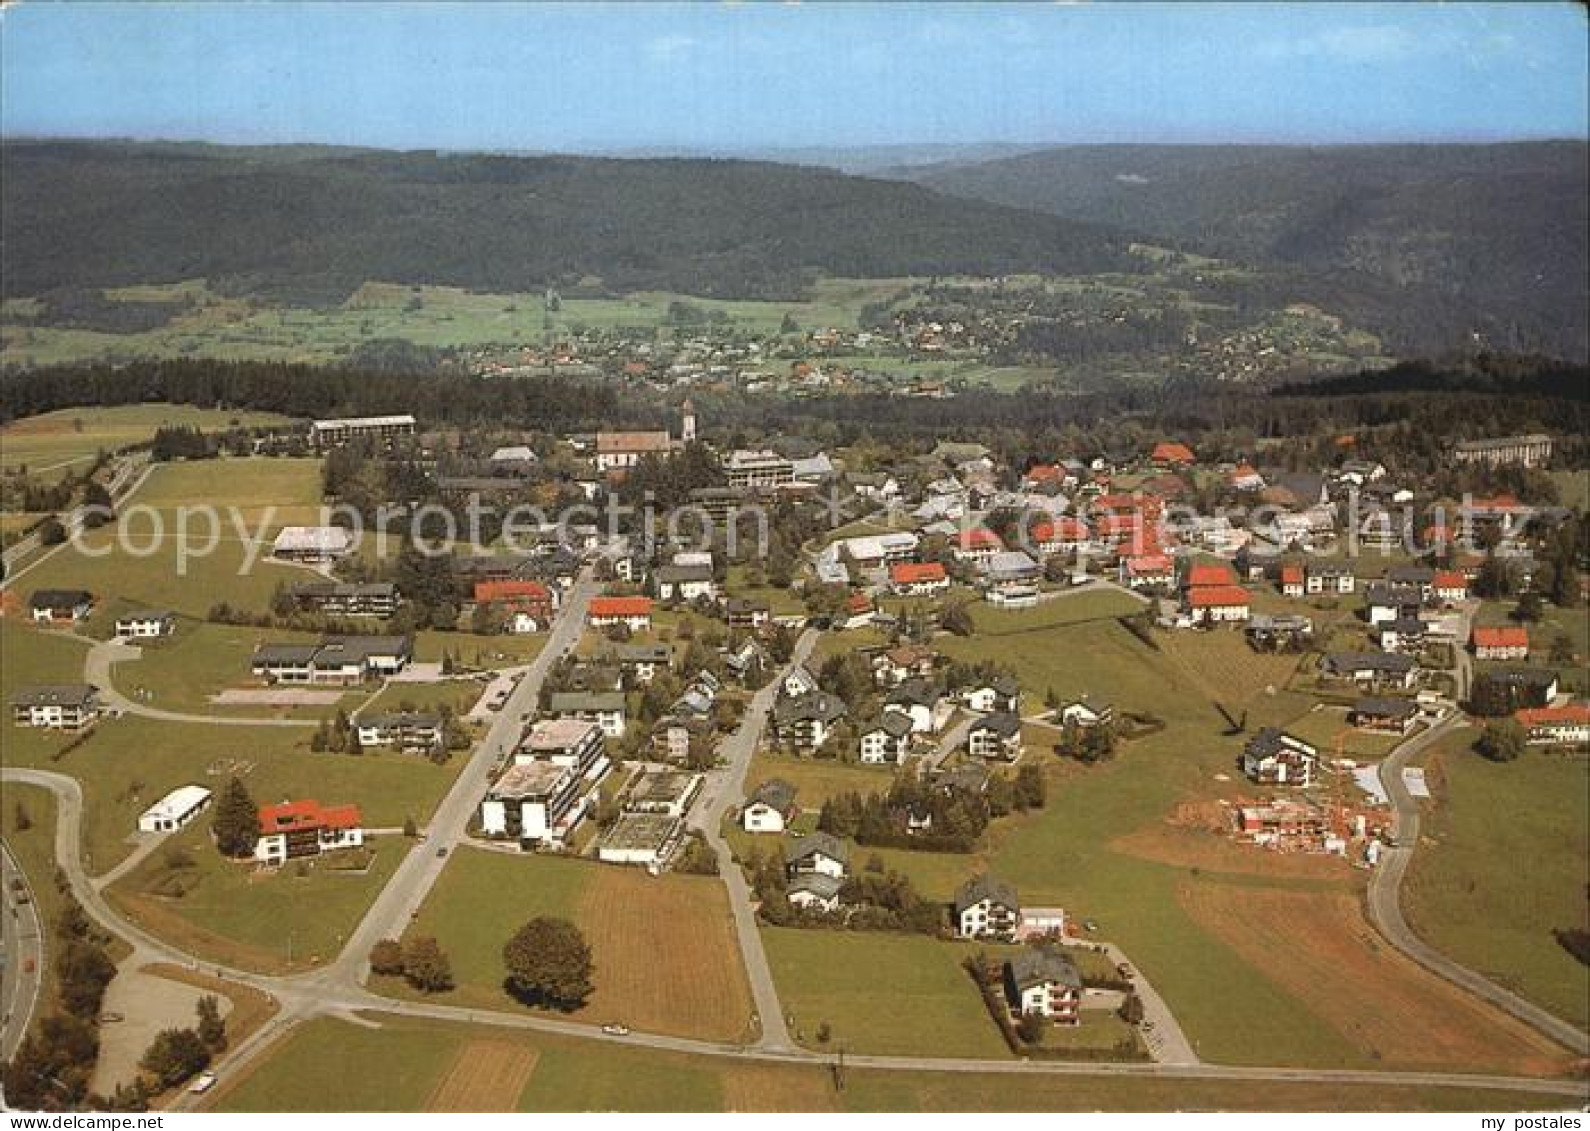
{"x": 1507, "y": 864}
{"x": 663, "y": 948}
{"x": 398, "y": 1064}
{"x": 238, "y": 915}
{"x": 60, "y": 441}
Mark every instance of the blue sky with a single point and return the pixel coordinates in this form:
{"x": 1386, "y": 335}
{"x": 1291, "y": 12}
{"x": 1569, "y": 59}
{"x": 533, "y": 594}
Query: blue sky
{"x": 570, "y": 76}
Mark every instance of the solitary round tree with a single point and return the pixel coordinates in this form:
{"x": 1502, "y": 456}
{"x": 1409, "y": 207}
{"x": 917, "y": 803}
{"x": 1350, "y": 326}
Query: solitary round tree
{"x": 549, "y": 963}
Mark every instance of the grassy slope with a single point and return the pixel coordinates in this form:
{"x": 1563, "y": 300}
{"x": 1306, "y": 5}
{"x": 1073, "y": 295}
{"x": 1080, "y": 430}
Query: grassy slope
{"x": 59, "y": 440}
{"x": 1508, "y": 867}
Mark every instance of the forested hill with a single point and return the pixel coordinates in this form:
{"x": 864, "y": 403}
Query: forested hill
{"x": 308, "y": 221}
{"x": 1506, "y": 227}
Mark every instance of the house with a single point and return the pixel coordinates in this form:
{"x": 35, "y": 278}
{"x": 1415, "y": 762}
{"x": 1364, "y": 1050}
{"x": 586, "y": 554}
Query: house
{"x": 805, "y": 722}
{"x": 647, "y": 839}
{"x": 1169, "y": 453}
{"x": 383, "y": 431}
{"x": 297, "y": 829}
{"x": 692, "y": 582}
{"x": 895, "y": 666}
{"x": 341, "y": 660}
{"x": 817, "y": 852}
{"x": 1405, "y": 634}
{"x": 1384, "y": 716}
{"x": 516, "y": 459}
{"x": 986, "y": 908}
{"x": 1206, "y": 574}
{"x": 1568, "y": 725}
{"x": 1384, "y": 602}
{"x": 1062, "y": 536}
{"x": 1244, "y": 477}
{"x": 666, "y": 792}
{"x": 530, "y": 605}
{"x": 1533, "y": 450}
{"x": 1013, "y": 596}
{"x": 346, "y": 599}
{"x": 770, "y": 807}
{"x": 1273, "y": 757}
{"x": 1451, "y": 586}
{"x": 1283, "y": 629}
{"x": 620, "y": 451}
{"x": 860, "y": 611}
{"x": 146, "y": 624}
{"x": 642, "y": 662}
{"x": 604, "y": 708}
{"x": 1373, "y": 668}
{"x": 977, "y": 545}
{"x": 634, "y": 613}
{"x": 1292, "y": 581}
{"x": 918, "y": 579}
{"x": 1010, "y": 568}
{"x": 749, "y": 657}
{"x": 1217, "y": 604}
{"x": 799, "y": 681}
{"x": 69, "y": 706}
{"x": 1042, "y": 982}
{"x": 1329, "y": 579}
{"x": 1002, "y": 693}
{"x": 886, "y": 739}
{"x": 409, "y": 731}
{"x": 748, "y": 613}
{"x": 313, "y": 544}
{"x": 815, "y": 891}
{"x": 1500, "y": 642}
{"x": 1148, "y": 571}
{"x": 60, "y": 606}
{"x": 175, "y": 810}
{"x": 996, "y": 736}
{"x": 1086, "y": 712}
{"x": 921, "y": 701}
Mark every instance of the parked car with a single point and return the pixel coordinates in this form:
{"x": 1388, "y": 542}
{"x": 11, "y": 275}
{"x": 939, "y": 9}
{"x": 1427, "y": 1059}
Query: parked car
{"x": 204, "y": 1082}
{"x": 614, "y": 1029}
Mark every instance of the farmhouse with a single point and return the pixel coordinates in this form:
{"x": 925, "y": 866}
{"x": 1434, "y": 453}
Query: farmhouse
{"x": 69, "y": 706}
{"x": 347, "y": 599}
{"x": 1568, "y": 725}
{"x": 986, "y": 908}
{"x": 1169, "y": 453}
{"x": 817, "y": 852}
{"x": 382, "y": 430}
{"x": 409, "y": 731}
{"x": 1500, "y": 642}
{"x": 1384, "y": 716}
{"x": 1086, "y": 712}
{"x": 995, "y": 736}
{"x": 604, "y": 708}
{"x": 1042, "y": 982}
{"x": 886, "y": 739}
{"x": 633, "y": 613}
{"x": 1273, "y": 757}
{"x": 60, "y": 606}
{"x": 1451, "y": 586}
{"x": 619, "y": 451}
{"x": 295, "y": 829}
{"x": 312, "y": 543}
{"x": 647, "y": 839}
{"x": 770, "y": 808}
{"x": 174, "y": 810}
{"x": 918, "y": 579}
{"x": 146, "y": 624}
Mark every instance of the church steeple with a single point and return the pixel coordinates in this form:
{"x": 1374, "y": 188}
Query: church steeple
{"x": 687, "y": 424}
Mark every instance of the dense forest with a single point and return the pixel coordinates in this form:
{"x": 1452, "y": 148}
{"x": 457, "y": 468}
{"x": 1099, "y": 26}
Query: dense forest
{"x": 311, "y": 224}
{"x": 1436, "y": 236}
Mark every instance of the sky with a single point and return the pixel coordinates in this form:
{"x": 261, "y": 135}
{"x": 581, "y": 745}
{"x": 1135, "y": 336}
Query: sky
{"x": 744, "y": 75}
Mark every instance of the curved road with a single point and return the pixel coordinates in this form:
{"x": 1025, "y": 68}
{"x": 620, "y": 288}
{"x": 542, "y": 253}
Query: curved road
{"x": 24, "y": 941}
{"x": 96, "y": 672}
{"x": 1385, "y": 901}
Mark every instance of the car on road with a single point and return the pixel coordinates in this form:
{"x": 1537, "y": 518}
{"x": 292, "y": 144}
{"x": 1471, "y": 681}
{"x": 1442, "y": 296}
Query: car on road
{"x": 442, "y": 851}
{"x": 614, "y": 1029}
{"x": 205, "y": 1081}
{"x": 110, "y": 1017}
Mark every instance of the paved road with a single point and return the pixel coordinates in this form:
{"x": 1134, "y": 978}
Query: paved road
{"x": 725, "y": 792}
{"x": 121, "y": 485}
{"x": 23, "y": 942}
{"x": 1166, "y": 1042}
{"x": 102, "y": 654}
{"x": 304, "y": 996}
{"x": 951, "y": 740}
{"x": 1385, "y": 901}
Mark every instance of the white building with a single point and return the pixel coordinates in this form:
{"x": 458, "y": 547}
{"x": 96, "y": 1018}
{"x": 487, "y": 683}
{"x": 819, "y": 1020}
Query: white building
{"x": 312, "y": 543}
{"x": 145, "y": 624}
{"x": 175, "y": 809}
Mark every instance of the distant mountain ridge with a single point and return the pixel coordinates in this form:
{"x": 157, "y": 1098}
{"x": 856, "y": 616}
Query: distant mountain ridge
{"x": 312, "y": 219}
{"x": 1502, "y": 227}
